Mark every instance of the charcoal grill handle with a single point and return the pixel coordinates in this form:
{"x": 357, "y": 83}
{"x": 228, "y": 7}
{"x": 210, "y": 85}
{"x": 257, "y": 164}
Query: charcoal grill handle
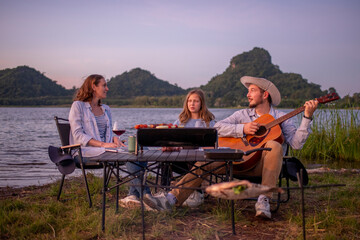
{"x": 255, "y": 150}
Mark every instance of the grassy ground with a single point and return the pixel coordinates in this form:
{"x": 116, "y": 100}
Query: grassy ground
{"x": 34, "y": 213}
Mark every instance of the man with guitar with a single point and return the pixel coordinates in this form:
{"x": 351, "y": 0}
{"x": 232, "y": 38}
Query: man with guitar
{"x": 238, "y": 131}
{"x": 242, "y": 130}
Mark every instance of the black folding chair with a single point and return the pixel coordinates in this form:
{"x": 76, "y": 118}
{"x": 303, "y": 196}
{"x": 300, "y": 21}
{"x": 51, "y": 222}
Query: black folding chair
{"x": 291, "y": 166}
{"x": 63, "y": 127}
{"x": 291, "y": 169}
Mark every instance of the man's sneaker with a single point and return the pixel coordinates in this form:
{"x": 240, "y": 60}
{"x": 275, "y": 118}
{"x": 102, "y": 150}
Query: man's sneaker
{"x": 159, "y": 202}
{"x": 132, "y": 201}
{"x": 194, "y": 200}
{"x": 262, "y": 207}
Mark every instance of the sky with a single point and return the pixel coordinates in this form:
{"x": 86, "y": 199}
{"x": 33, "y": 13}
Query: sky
{"x": 183, "y": 42}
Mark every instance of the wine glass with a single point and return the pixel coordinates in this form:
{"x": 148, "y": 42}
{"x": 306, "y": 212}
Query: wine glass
{"x": 118, "y": 129}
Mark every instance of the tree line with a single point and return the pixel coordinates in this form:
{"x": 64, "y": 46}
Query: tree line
{"x": 25, "y": 86}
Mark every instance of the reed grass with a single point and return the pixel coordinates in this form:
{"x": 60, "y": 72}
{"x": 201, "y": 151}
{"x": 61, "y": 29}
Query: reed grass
{"x": 335, "y": 138}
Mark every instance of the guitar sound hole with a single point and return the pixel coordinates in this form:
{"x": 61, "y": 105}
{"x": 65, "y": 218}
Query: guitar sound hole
{"x": 261, "y": 131}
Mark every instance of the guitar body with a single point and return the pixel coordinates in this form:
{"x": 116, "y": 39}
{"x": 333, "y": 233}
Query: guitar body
{"x": 258, "y": 140}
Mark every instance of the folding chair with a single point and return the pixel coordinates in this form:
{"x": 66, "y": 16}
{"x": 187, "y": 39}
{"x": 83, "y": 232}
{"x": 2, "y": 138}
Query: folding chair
{"x": 290, "y": 167}
{"x": 63, "y": 127}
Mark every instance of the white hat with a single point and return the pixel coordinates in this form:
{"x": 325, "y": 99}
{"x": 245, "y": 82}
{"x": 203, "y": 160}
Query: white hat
{"x": 265, "y": 85}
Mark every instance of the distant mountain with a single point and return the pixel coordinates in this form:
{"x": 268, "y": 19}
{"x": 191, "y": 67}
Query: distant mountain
{"x": 26, "y": 82}
{"x": 226, "y": 89}
{"x": 26, "y": 86}
{"x": 139, "y": 82}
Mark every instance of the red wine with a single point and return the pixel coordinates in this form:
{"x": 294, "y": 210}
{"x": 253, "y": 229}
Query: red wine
{"x": 118, "y": 132}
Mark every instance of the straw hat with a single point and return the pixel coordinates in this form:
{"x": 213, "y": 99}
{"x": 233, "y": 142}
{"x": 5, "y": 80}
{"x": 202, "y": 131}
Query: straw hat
{"x": 265, "y": 85}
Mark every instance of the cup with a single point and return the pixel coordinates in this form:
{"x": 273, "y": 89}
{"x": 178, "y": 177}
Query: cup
{"x": 131, "y": 143}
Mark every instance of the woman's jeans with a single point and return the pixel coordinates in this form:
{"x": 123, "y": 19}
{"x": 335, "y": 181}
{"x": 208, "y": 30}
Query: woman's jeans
{"x": 77, "y": 160}
{"x": 138, "y": 170}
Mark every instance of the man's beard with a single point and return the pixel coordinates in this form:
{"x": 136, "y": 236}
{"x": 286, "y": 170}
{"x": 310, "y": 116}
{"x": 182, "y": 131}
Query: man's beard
{"x": 254, "y": 105}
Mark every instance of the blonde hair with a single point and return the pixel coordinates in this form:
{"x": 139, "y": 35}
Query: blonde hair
{"x": 204, "y": 113}
{"x": 85, "y": 92}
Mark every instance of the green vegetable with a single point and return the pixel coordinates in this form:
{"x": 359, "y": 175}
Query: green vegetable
{"x": 239, "y": 189}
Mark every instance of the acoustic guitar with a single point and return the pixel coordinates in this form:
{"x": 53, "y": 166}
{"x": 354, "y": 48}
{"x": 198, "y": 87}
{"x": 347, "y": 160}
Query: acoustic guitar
{"x": 269, "y": 130}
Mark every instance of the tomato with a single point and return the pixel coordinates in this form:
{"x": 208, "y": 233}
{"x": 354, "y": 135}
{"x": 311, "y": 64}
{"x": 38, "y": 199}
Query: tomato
{"x": 137, "y": 126}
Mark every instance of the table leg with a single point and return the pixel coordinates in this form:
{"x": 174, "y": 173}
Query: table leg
{"x": 117, "y": 187}
{"x": 104, "y": 198}
{"x": 232, "y": 201}
{"x": 300, "y": 180}
{"x": 142, "y": 209}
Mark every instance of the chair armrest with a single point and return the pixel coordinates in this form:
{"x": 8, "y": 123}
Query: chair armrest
{"x": 71, "y": 146}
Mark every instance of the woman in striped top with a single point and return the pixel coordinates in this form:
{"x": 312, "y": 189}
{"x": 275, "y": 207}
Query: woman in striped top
{"x": 90, "y": 120}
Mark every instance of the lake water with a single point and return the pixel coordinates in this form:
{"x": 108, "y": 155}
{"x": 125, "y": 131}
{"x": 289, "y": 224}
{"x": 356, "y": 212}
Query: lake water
{"x": 26, "y": 134}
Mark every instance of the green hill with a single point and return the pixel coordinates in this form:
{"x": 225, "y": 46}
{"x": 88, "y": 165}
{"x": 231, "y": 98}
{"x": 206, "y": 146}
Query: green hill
{"x": 139, "y": 82}
{"x": 26, "y": 86}
{"x": 26, "y": 82}
{"x": 226, "y": 90}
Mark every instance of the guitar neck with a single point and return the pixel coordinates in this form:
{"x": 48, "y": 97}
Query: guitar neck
{"x": 285, "y": 117}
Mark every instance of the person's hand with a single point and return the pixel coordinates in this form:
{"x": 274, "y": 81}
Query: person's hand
{"x": 310, "y": 107}
{"x": 171, "y": 149}
{"x": 95, "y": 143}
{"x": 109, "y": 145}
{"x": 251, "y": 128}
{"x": 118, "y": 142}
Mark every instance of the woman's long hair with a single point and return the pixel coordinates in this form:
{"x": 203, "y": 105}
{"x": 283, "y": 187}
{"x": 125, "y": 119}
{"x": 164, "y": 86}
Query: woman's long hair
{"x": 85, "y": 92}
{"x": 204, "y": 113}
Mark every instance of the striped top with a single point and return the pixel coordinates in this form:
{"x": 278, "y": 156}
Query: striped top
{"x": 101, "y": 123}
